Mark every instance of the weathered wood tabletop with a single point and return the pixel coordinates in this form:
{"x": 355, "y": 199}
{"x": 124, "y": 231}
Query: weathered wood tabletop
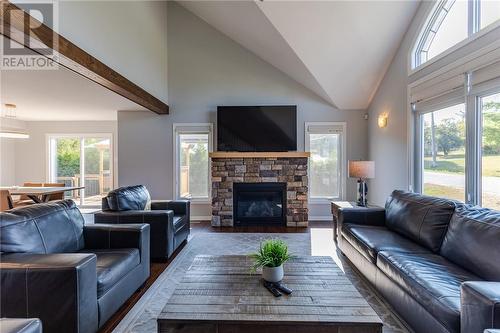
{"x": 219, "y": 294}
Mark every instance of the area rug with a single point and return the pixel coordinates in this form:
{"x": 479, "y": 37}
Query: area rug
{"x": 142, "y": 317}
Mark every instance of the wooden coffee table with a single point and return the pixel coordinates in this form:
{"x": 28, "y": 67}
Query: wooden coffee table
{"x": 219, "y": 294}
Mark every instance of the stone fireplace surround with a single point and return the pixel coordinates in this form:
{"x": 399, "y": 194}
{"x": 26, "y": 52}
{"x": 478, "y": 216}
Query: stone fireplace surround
{"x": 289, "y": 168}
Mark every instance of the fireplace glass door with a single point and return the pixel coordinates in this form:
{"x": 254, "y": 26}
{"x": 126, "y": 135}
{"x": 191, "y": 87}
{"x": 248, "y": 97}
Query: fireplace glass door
{"x": 259, "y": 204}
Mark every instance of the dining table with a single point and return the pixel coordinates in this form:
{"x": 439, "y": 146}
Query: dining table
{"x": 39, "y": 194}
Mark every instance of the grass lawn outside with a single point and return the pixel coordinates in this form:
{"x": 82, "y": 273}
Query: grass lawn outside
{"x": 444, "y": 191}
{"x": 455, "y": 163}
{"x": 488, "y": 200}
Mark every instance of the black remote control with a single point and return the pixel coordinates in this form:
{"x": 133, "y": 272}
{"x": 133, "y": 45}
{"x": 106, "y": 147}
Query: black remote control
{"x": 283, "y": 288}
{"x": 269, "y": 286}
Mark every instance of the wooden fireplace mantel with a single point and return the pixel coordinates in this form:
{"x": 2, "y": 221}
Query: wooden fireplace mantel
{"x": 235, "y": 154}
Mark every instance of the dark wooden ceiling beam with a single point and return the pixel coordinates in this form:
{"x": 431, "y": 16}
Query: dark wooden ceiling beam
{"x": 68, "y": 55}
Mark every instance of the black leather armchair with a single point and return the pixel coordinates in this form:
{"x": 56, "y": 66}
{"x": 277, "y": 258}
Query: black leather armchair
{"x": 73, "y": 277}
{"x": 169, "y": 220}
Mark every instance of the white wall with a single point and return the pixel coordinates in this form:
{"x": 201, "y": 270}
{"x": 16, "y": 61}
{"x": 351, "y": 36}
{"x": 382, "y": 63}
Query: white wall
{"x": 388, "y": 147}
{"x": 7, "y": 162}
{"x": 207, "y": 69}
{"x": 31, "y": 154}
{"x": 8, "y": 150}
{"x": 128, "y": 36}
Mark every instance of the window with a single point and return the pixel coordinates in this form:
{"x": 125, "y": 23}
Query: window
{"x": 451, "y": 22}
{"x": 444, "y": 152}
{"x": 490, "y": 151}
{"x": 192, "y": 143}
{"x": 457, "y": 142}
{"x": 82, "y": 160}
{"x": 326, "y": 143}
{"x": 489, "y": 11}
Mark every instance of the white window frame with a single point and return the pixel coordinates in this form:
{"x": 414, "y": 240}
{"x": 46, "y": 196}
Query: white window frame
{"x": 191, "y": 128}
{"x": 342, "y": 163}
{"x": 477, "y": 169}
{"x": 471, "y": 97}
{"x": 440, "y": 104}
{"x": 49, "y": 177}
{"x": 473, "y": 28}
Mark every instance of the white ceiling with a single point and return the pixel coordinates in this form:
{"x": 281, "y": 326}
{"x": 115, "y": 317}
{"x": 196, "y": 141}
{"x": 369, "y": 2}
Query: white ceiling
{"x": 59, "y": 95}
{"x": 338, "y": 49}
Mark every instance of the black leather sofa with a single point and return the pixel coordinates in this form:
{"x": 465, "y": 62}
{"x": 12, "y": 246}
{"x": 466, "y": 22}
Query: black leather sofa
{"x": 169, "y": 220}
{"x": 18, "y": 325}
{"x": 436, "y": 261}
{"x": 71, "y": 276}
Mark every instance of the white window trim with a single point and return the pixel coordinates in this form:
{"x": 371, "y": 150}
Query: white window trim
{"x": 412, "y": 63}
{"x": 184, "y": 128}
{"x": 48, "y": 155}
{"x": 343, "y": 162}
{"x": 475, "y": 98}
{"x": 419, "y": 137}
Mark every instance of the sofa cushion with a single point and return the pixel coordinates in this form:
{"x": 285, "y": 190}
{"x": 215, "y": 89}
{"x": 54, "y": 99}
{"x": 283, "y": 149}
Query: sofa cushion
{"x": 369, "y": 240}
{"x": 479, "y": 230}
{"x": 431, "y": 280}
{"x": 113, "y": 265}
{"x": 421, "y": 218}
{"x": 54, "y": 227}
{"x": 129, "y": 198}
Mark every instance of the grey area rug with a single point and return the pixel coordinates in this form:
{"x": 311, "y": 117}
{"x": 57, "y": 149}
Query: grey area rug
{"x": 142, "y": 317}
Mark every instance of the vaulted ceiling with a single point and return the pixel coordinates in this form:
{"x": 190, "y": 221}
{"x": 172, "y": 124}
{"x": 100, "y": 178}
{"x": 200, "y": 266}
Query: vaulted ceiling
{"x": 338, "y": 49}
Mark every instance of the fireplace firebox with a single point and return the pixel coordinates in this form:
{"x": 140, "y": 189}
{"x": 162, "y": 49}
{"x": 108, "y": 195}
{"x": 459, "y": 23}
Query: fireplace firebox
{"x": 259, "y": 204}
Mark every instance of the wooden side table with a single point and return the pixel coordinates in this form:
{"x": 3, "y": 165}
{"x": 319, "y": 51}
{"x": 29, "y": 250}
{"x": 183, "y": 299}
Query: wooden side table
{"x": 336, "y": 206}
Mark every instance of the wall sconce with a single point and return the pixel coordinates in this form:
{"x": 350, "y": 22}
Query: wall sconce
{"x": 382, "y": 120}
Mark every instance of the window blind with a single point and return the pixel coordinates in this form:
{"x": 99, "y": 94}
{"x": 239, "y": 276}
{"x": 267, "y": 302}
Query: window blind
{"x": 324, "y": 128}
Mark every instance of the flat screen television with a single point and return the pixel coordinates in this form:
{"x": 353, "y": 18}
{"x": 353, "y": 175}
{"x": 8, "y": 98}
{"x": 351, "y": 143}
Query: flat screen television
{"x": 257, "y": 128}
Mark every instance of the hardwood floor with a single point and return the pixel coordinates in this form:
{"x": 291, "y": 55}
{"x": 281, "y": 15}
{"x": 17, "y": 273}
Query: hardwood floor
{"x": 202, "y": 227}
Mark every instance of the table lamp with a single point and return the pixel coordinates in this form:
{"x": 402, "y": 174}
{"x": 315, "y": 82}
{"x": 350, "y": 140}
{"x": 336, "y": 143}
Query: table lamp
{"x": 362, "y": 170}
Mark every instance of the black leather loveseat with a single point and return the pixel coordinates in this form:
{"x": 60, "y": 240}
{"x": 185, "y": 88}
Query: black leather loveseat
{"x": 169, "y": 220}
{"x": 71, "y": 276}
{"x": 436, "y": 261}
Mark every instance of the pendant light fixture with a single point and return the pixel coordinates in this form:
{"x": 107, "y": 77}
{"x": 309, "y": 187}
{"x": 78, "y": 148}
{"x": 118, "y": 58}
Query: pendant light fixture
{"x": 9, "y": 116}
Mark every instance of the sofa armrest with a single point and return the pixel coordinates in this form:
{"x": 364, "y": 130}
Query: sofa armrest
{"x": 117, "y": 236}
{"x": 366, "y": 216}
{"x": 480, "y": 306}
{"x": 161, "y": 222}
{"x": 131, "y": 216}
{"x": 60, "y": 289}
{"x": 180, "y": 207}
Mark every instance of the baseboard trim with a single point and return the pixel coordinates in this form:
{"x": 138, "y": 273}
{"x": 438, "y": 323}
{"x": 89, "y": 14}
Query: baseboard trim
{"x": 311, "y": 218}
{"x": 320, "y": 218}
{"x": 200, "y": 218}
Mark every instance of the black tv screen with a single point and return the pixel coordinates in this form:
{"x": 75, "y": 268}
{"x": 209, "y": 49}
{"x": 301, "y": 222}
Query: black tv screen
{"x": 257, "y": 128}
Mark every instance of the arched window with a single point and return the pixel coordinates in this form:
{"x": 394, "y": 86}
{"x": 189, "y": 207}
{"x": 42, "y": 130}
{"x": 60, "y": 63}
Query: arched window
{"x": 450, "y": 22}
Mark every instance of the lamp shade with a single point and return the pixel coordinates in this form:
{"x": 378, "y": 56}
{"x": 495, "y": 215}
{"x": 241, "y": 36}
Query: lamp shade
{"x": 362, "y": 169}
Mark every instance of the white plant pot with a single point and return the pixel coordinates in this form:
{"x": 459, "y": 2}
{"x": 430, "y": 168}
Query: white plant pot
{"x": 273, "y": 274}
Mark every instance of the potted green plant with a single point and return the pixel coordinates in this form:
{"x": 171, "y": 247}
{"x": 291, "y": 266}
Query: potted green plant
{"x": 273, "y": 253}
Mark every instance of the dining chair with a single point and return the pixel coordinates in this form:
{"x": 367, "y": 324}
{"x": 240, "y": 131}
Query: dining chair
{"x": 5, "y": 201}
{"x": 29, "y": 184}
{"x": 55, "y": 196}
